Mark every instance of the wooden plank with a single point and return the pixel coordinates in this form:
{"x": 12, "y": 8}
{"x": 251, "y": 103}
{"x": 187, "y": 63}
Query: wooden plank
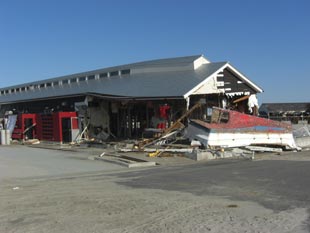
{"x": 180, "y": 150}
{"x": 264, "y": 149}
{"x": 178, "y": 123}
{"x": 241, "y": 99}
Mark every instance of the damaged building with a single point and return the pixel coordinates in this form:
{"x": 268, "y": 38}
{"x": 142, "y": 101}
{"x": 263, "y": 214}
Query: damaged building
{"x": 127, "y": 101}
{"x": 293, "y": 112}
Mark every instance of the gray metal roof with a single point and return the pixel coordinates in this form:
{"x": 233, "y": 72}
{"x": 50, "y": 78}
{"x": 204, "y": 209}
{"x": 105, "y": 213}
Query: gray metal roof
{"x": 163, "y": 78}
{"x": 141, "y": 85}
{"x": 164, "y": 62}
{"x": 167, "y": 62}
{"x": 159, "y": 84}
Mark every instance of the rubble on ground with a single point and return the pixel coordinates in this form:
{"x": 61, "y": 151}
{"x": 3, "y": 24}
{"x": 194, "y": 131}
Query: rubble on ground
{"x": 227, "y": 134}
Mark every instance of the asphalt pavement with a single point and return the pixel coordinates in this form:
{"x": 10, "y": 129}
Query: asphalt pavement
{"x": 276, "y": 184}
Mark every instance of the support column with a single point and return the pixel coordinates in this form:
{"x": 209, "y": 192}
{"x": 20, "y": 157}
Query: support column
{"x": 187, "y": 103}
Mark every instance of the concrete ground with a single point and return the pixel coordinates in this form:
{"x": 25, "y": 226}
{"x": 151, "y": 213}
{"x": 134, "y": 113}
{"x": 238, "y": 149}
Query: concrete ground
{"x": 23, "y": 161}
{"x": 63, "y": 191}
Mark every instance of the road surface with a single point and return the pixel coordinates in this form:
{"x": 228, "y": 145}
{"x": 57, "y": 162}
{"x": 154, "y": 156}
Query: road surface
{"x": 55, "y": 191}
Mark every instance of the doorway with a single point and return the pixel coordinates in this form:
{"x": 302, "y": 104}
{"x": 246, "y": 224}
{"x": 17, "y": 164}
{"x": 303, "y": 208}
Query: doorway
{"x": 29, "y": 128}
{"x": 66, "y": 130}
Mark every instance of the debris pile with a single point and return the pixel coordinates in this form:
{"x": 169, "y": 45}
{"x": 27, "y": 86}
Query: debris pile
{"x": 301, "y": 134}
{"x": 222, "y": 133}
{"x": 227, "y": 134}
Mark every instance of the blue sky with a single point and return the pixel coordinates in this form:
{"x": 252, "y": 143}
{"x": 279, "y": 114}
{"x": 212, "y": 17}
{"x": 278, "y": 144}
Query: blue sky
{"x": 268, "y": 41}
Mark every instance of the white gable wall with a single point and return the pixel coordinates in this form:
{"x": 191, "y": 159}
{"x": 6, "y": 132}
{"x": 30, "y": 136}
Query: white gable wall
{"x": 208, "y": 87}
{"x": 200, "y": 61}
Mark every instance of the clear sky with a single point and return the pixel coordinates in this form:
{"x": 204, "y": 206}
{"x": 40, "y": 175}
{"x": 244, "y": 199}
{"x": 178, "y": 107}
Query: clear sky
{"x": 267, "y": 40}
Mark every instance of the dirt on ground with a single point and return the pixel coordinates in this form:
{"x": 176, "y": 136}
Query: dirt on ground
{"x": 94, "y": 202}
